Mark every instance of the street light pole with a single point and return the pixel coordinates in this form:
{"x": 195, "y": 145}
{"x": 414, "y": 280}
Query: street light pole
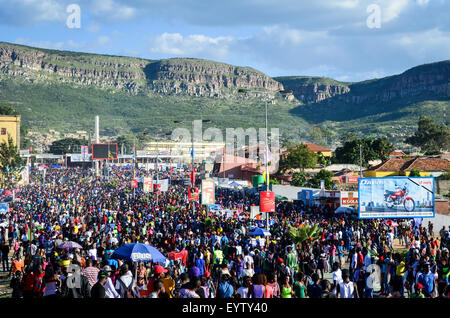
{"x": 267, "y": 168}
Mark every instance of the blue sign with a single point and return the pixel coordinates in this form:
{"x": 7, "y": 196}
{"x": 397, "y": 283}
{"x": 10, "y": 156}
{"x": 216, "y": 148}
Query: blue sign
{"x": 3, "y": 208}
{"x": 396, "y": 197}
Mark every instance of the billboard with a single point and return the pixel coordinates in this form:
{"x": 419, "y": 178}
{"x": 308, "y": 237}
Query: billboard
{"x": 267, "y": 201}
{"x": 104, "y": 151}
{"x": 148, "y": 184}
{"x": 349, "y": 198}
{"x": 208, "y": 192}
{"x": 396, "y": 197}
{"x": 193, "y": 194}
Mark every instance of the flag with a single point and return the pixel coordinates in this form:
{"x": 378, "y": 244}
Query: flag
{"x": 192, "y": 152}
{"x": 264, "y": 176}
{"x": 110, "y": 156}
{"x": 193, "y": 176}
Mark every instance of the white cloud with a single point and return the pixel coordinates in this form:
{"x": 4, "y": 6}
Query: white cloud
{"x": 194, "y": 45}
{"x": 112, "y": 10}
{"x": 391, "y": 10}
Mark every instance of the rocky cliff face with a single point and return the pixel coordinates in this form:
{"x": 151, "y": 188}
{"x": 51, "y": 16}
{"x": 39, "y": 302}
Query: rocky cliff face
{"x": 172, "y": 76}
{"x": 429, "y": 78}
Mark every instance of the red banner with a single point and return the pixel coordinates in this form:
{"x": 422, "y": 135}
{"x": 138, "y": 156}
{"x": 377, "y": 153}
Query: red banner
{"x": 193, "y": 194}
{"x": 267, "y": 201}
{"x": 193, "y": 177}
{"x": 134, "y": 184}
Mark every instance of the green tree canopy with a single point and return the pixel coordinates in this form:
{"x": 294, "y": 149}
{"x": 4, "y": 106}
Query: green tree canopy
{"x": 299, "y": 179}
{"x": 430, "y": 137}
{"x": 127, "y": 141}
{"x": 10, "y": 162}
{"x": 299, "y": 158}
{"x": 372, "y": 149}
{"x": 414, "y": 173}
{"x": 325, "y": 175}
{"x": 67, "y": 145}
{"x": 8, "y": 110}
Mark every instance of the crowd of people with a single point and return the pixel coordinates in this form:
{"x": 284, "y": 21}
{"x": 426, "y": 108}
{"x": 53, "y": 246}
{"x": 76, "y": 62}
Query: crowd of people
{"x": 209, "y": 255}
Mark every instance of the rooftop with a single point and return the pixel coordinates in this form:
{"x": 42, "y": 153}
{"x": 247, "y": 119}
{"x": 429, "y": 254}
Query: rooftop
{"x": 422, "y": 164}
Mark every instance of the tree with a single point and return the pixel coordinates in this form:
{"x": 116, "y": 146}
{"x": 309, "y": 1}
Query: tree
{"x": 414, "y": 173}
{"x": 7, "y": 110}
{"x": 304, "y": 233}
{"x": 128, "y": 142}
{"x": 325, "y": 175}
{"x": 67, "y": 145}
{"x": 299, "y": 179}
{"x": 430, "y": 137}
{"x": 299, "y": 158}
{"x": 11, "y": 163}
{"x": 371, "y": 149}
{"x": 322, "y": 160}
{"x": 382, "y": 148}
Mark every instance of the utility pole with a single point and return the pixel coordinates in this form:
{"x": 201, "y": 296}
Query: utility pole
{"x": 360, "y": 160}
{"x": 97, "y": 140}
{"x": 267, "y": 169}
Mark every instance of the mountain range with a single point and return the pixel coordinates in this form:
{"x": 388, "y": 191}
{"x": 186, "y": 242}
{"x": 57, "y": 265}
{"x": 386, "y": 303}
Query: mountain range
{"x": 64, "y": 90}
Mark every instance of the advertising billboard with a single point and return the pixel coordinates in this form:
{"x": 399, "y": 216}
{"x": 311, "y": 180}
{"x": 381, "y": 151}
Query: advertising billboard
{"x": 267, "y": 201}
{"x": 208, "y": 196}
{"x": 396, "y": 197}
{"x": 104, "y": 151}
{"x": 148, "y": 184}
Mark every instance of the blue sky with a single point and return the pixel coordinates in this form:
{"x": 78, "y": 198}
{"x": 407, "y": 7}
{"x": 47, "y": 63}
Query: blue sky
{"x": 279, "y": 37}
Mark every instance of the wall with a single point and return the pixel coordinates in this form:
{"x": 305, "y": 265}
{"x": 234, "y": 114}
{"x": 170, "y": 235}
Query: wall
{"x": 438, "y": 222}
{"x": 442, "y": 186}
{"x": 12, "y": 126}
{"x": 380, "y": 174}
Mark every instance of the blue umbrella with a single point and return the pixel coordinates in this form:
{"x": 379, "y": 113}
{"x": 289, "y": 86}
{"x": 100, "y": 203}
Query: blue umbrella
{"x": 234, "y": 184}
{"x": 138, "y": 252}
{"x": 69, "y": 245}
{"x": 259, "y": 232}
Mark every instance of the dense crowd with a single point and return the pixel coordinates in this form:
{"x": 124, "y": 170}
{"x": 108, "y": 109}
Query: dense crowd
{"x": 209, "y": 255}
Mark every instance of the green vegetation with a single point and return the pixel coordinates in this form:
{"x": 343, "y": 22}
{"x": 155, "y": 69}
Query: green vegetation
{"x": 414, "y": 173}
{"x": 430, "y": 137}
{"x": 325, "y": 175}
{"x": 371, "y": 149}
{"x": 304, "y": 233}
{"x": 299, "y": 179}
{"x": 299, "y": 158}
{"x": 67, "y": 145}
{"x": 10, "y": 164}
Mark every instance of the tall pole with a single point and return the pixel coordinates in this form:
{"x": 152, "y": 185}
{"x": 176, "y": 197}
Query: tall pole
{"x": 193, "y": 173}
{"x": 267, "y": 168}
{"x": 360, "y": 160}
{"x": 97, "y": 140}
{"x": 157, "y": 172}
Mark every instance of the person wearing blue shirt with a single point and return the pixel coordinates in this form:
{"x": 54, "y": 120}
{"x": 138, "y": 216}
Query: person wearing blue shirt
{"x": 225, "y": 289}
{"x": 427, "y": 279}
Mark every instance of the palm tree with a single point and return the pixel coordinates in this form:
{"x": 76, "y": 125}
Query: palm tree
{"x": 304, "y": 233}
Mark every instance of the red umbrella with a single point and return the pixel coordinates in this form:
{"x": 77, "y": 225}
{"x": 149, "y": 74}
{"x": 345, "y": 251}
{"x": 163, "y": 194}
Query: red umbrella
{"x": 7, "y": 193}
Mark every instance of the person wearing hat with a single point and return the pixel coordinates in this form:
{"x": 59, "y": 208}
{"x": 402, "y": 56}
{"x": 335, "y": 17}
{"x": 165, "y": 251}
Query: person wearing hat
{"x": 428, "y": 280}
{"x": 418, "y": 287}
{"x": 99, "y": 290}
{"x": 110, "y": 291}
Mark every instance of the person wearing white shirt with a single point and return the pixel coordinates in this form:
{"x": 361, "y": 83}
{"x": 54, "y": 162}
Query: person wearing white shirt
{"x": 110, "y": 291}
{"x": 337, "y": 276}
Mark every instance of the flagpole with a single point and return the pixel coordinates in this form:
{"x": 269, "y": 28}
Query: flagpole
{"x": 267, "y": 169}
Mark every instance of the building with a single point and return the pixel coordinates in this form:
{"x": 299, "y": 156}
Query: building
{"x": 397, "y": 154}
{"x": 316, "y": 148}
{"x": 202, "y": 150}
{"x": 10, "y": 125}
{"x": 311, "y": 147}
{"x": 402, "y": 167}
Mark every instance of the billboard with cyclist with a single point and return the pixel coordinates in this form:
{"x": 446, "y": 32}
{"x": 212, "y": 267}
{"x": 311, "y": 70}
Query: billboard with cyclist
{"x": 396, "y": 197}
